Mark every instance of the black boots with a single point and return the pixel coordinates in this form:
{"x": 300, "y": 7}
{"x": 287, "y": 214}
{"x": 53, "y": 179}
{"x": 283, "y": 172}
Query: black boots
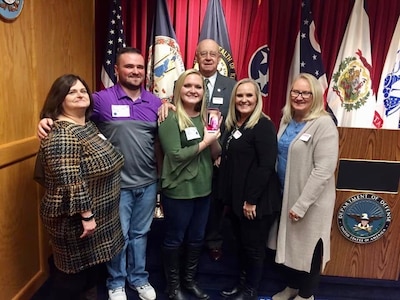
{"x": 171, "y": 258}
{"x": 248, "y": 284}
{"x": 190, "y": 268}
{"x": 237, "y": 288}
{"x": 247, "y": 293}
{"x": 171, "y": 269}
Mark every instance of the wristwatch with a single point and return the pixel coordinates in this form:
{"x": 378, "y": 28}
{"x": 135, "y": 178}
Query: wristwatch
{"x": 87, "y": 219}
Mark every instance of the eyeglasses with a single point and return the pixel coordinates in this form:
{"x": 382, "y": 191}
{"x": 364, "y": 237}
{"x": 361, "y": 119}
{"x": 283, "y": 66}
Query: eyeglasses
{"x": 213, "y": 54}
{"x": 304, "y": 94}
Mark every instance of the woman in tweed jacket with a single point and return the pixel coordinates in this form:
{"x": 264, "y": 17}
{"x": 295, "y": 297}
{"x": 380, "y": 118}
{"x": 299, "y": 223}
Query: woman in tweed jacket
{"x": 82, "y": 176}
{"x": 307, "y": 159}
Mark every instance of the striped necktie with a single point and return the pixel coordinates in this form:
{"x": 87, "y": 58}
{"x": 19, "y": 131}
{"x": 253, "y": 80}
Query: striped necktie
{"x": 207, "y": 90}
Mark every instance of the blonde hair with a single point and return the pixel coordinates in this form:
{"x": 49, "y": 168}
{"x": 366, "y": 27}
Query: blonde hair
{"x": 184, "y": 121}
{"x": 317, "y": 108}
{"x": 233, "y": 114}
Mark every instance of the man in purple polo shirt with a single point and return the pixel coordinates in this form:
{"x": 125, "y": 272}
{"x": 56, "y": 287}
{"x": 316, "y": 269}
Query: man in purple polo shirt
{"x": 126, "y": 114}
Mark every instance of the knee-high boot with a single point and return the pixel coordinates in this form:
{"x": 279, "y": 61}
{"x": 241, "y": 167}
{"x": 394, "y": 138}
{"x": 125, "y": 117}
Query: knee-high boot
{"x": 249, "y": 290}
{"x": 237, "y": 287}
{"x": 190, "y": 266}
{"x": 241, "y": 283}
{"x": 171, "y": 269}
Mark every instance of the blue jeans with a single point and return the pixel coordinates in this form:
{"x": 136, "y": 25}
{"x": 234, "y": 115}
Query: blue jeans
{"x": 136, "y": 209}
{"x": 185, "y": 219}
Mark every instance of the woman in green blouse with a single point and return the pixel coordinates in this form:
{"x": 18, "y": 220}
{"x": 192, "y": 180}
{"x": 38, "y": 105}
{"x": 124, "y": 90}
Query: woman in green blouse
{"x": 189, "y": 150}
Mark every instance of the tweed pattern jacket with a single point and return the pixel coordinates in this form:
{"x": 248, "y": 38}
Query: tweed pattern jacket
{"x": 82, "y": 172}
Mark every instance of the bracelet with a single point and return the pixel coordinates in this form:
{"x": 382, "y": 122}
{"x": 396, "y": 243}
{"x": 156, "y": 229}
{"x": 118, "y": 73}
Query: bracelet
{"x": 87, "y": 219}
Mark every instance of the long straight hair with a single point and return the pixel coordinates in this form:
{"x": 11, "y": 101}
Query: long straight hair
{"x": 233, "y": 114}
{"x": 184, "y": 121}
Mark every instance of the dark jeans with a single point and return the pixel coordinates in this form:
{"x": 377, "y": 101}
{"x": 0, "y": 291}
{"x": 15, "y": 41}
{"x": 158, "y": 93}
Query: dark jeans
{"x": 185, "y": 220}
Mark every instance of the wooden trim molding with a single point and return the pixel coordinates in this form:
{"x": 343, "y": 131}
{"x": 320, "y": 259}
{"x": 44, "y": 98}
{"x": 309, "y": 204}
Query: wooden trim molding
{"x": 18, "y": 150}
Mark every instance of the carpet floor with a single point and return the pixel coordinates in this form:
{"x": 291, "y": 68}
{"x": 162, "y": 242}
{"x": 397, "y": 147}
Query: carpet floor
{"x": 214, "y": 276}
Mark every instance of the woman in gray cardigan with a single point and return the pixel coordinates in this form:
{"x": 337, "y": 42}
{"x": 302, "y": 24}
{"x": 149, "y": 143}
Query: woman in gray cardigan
{"x": 307, "y": 158}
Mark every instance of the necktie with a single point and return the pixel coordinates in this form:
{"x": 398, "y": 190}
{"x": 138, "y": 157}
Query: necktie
{"x": 207, "y": 91}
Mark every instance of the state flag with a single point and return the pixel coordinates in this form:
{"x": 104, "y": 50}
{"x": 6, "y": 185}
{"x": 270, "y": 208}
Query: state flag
{"x": 388, "y": 97}
{"x": 214, "y": 27}
{"x": 350, "y": 94}
{"x": 307, "y": 53}
{"x": 256, "y": 61}
{"x": 165, "y": 62}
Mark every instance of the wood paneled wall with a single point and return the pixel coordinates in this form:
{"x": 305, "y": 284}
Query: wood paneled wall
{"x": 48, "y": 39}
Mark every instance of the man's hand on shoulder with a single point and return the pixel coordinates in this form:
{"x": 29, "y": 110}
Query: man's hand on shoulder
{"x": 44, "y": 127}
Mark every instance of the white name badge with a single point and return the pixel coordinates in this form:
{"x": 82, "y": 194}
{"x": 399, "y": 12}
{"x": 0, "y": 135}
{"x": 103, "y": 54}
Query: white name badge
{"x": 192, "y": 133}
{"x": 237, "y": 134}
{"x": 102, "y": 136}
{"x": 120, "y": 111}
{"x": 305, "y": 137}
{"x": 218, "y": 100}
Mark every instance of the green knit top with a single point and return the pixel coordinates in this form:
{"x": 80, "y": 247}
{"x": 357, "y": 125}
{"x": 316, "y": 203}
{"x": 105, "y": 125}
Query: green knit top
{"x": 186, "y": 174}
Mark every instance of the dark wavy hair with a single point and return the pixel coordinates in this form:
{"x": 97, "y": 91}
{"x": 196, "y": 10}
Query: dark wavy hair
{"x": 52, "y": 106}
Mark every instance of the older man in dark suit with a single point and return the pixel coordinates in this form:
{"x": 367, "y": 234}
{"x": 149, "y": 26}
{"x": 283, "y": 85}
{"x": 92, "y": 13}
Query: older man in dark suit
{"x": 219, "y": 92}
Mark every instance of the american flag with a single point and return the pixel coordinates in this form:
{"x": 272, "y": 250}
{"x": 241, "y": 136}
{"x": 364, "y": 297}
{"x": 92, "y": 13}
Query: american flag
{"x": 115, "y": 40}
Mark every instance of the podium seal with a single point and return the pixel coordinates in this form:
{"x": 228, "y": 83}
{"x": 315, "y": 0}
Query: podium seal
{"x": 364, "y": 218}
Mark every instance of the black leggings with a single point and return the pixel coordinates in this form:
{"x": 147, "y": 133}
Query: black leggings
{"x": 306, "y": 282}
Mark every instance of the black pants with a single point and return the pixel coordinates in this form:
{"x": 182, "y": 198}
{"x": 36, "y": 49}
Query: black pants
{"x": 72, "y": 286}
{"x": 306, "y": 282}
{"x": 213, "y": 236}
{"x": 251, "y": 236}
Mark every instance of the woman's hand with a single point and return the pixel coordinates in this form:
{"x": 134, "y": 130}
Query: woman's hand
{"x": 249, "y": 210}
{"x": 293, "y": 216}
{"x": 217, "y": 162}
{"x": 211, "y": 136}
{"x": 88, "y": 227}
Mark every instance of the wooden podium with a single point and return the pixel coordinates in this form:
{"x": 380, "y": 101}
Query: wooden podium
{"x": 379, "y": 259}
